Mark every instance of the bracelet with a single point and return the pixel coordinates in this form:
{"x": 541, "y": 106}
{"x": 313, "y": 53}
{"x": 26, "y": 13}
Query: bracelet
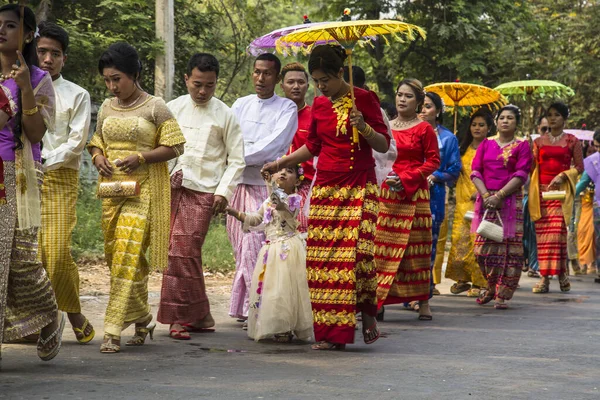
{"x": 486, "y": 195}
{"x": 31, "y": 111}
{"x": 368, "y": 132}
{"x": 141, "y": 158}
{"x": 502, "y": 194}
{"x": 94, "y": 158}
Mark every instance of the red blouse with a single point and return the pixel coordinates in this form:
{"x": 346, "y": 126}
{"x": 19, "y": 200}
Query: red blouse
{"x": 556, "y": 158}
{"x": 330, "y": 133}
{"x": 304, "y": 118}
{"x": 418, "y": 156}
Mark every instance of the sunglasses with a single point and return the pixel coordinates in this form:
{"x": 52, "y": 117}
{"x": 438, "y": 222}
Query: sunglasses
{"x": 545, "y": 129}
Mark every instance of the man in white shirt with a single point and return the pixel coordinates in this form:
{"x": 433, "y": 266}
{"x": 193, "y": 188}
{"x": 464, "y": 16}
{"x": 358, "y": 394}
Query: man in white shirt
{"x": 61, "y": 155}
{"x": 268, "y": 123}
{"x": 203, "y": 179}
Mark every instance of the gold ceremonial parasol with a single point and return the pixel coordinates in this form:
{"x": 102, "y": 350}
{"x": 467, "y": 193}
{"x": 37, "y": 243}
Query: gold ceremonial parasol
{"x": 347, "y": 34}
{"x": 458, "y": 94}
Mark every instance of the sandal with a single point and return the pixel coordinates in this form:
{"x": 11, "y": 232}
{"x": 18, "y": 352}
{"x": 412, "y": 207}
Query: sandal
{"x": 533, "y": 274}
{"x": 192, "y": 328}
{"x": 108, "y": 347}
{"x": 324, "y": 345}
{"x": 370, "y": 335}
{"x": 435, "y": 292}
{"x": 245, "y": 326}
{"x": 49, "y": 354}
{"x": 542, "y": 286}
{"x": 485, "y": 296}
{"x": 565, "y": 283}
{"x": 459, "y": 287}
{"x": 81, "y": 331}
{"x": 179, "y": 334}
{"x": 286, "y": 337}
{"x": 474, "y": 291}
{"x": 413, "y": 305}
{"x": 140, "y": 335}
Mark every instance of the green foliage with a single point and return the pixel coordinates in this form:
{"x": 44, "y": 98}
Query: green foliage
{"x": 217, "y": 254}
{"x": 88, "y": 240}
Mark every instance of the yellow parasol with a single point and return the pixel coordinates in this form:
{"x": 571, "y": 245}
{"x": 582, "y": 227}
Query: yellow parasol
{"x": 458, "y": 94}
{"x": 348, "y": 33}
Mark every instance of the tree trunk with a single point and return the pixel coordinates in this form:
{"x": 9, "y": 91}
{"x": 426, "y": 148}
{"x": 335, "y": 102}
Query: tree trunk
{"x": 43, "y": 11}
{"x": 164, "y": 70}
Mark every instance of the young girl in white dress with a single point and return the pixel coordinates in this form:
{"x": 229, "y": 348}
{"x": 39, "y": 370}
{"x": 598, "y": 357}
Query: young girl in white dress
{"x": 279, "y": 299}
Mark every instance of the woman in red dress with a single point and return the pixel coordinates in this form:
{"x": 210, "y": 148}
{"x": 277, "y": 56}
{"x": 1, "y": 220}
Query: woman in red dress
{"x": 403, "y": 238}
{"x": 343, "y": 205}
{"x": 554, "y": 154}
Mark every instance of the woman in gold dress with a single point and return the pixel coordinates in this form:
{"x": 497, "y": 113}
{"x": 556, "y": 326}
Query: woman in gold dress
{"x": 462, "y": 266}
{"x": 135, "y": 136}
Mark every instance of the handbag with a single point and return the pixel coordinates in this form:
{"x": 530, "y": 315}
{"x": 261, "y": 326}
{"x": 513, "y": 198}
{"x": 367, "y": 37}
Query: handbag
{"x": 554, "y": 195}
{"x": 118, "y": 189}
{"x": 490, "y": 230}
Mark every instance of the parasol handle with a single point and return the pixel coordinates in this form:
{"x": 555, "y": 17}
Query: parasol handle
{"x": 354, "y": 128}
{"x": 21, "y": 23}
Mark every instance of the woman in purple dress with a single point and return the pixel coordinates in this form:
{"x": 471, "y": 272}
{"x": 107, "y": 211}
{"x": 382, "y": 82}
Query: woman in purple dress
{"x": 27, "y": 303}
{"x": 500, "y": 168}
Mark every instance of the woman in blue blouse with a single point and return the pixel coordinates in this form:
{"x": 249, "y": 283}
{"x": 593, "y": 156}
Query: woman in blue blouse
{"x": 450, "y": 165}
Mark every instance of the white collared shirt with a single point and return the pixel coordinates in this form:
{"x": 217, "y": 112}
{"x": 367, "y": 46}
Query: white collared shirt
{"x": 268, "y": 127}
{"x": 63, "y": 146}
{"x": 213, "y": 158}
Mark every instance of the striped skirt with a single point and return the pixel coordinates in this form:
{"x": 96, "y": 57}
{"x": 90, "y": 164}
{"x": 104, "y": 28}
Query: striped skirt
{"x": 341, "y": 273}
{"x": 502, "y": 263}
{"x": 27, "y": 302}
{"x": 183, "y": 297}
{"x": 59, "y": 203}
{"x": 403, "y": 247}
{"x": 551, "y": 236}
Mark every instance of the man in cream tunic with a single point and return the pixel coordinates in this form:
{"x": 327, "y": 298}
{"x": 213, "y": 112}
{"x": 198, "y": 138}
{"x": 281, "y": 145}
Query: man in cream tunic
{"x": 202, "y": 182}
{"x": 61, "y": 155}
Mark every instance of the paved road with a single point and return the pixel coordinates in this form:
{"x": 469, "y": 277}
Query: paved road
{"x": 544, "y": 347}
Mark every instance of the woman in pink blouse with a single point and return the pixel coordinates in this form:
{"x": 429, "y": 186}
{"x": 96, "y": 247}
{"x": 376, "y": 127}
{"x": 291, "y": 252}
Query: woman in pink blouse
{"x": 500, "y": 168}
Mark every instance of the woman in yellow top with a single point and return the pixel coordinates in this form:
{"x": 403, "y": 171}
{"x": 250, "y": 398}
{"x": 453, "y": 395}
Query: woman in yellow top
{"x": 135, "y": 136}
{"x": 462, "y": 266}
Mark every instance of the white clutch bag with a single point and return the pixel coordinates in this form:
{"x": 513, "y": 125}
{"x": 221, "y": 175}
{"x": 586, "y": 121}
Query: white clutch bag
{"x": 554, "y": 195}
{"x": 469, "y": 215}
{"x": 490, "y": 230}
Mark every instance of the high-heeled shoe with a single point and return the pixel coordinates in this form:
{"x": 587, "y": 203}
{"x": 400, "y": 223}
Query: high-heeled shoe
{"x": 140, "y": 335}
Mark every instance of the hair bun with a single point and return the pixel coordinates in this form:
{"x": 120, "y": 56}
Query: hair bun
{"x": 340, "y": 51}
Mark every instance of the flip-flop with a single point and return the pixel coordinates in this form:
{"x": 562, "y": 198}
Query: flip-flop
{"x": 50, "y": 354}
{"x": 367, "y": 334}
{"x": 192, "y": 328}
{"x": 84, "y": 339}
{"x": 179, "y": 335}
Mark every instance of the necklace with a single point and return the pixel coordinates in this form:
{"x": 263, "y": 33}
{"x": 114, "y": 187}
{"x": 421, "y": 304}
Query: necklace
{"x": 403, "y": 124}
{"x": 554, "y": 139}
{"x": 6, "y": 77}
{"x": 130, "y": 104}
{"x": 502, "y": 144}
